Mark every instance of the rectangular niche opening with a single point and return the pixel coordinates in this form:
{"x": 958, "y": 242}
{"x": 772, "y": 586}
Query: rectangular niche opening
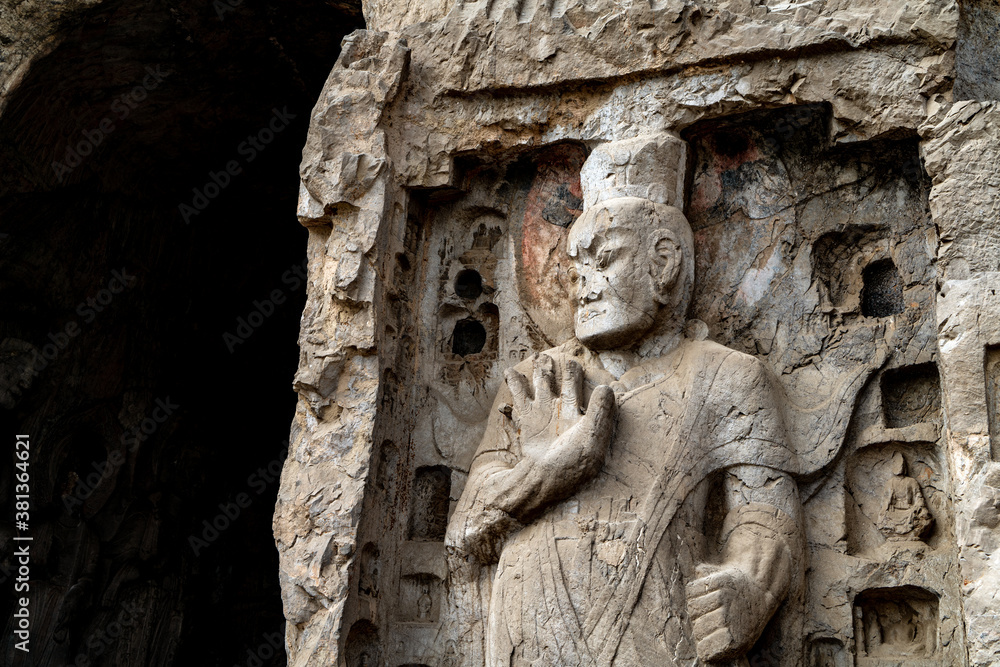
{"x": 911, "y": 395}
{"x": 991, "y": 368}
{"x": 977, "y": 52}
{"x": 828, "y": 652}
{"x": 430, "y": 503}
{"x": 420, "y": 599}
{"x": 853, "y": 267}
{"x": 895, "y": 623}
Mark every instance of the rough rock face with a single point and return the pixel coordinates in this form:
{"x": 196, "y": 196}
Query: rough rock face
{"x": 655, "y": 333}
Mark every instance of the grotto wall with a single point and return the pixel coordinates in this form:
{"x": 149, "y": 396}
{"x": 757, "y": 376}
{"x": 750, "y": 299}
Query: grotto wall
{"x": 622, "y": 316}
{"x": 120, "y": 317}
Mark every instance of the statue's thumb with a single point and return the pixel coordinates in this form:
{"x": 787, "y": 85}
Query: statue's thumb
{"x": 601, "y": 409}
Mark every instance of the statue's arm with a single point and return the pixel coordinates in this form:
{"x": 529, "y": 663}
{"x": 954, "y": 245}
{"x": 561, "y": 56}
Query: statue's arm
{"x": 761, "y": 532}
{"x": 760, "y": 548}
{"x": 493, "y": 497}
{"x": 731, "y": 602}
{"x": 538, "y": 448}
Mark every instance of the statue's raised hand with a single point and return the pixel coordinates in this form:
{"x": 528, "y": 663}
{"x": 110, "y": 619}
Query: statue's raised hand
{"x": 554, "y": 430}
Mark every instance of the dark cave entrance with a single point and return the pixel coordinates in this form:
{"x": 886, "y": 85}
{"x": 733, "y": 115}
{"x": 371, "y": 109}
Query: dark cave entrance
{"x": 151, "y": 282}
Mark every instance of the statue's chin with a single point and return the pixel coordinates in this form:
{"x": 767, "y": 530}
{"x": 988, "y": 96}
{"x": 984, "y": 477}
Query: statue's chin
{"x": 599, "y": 334}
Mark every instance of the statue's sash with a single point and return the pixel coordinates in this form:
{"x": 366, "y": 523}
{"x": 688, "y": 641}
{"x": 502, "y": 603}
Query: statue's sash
{"x": 609, "y": 617}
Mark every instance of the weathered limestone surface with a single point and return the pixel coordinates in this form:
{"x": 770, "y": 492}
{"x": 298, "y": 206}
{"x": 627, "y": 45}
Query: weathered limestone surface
{"x": 961, "y": 155}
{"x": 28, "y": 30}
{"x": 656, "y": 333}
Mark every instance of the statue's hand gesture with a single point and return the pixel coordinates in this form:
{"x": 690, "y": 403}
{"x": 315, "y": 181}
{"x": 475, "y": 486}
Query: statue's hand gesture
{"x": 553, "y": 429}
{"x": 727, "y": 611}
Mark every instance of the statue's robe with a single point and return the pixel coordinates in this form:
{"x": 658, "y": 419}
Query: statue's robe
{"x": 599, "y": 578}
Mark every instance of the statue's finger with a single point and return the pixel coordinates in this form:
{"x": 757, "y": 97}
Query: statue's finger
{"x": 704, "y": 604}
{"x": 714, "y": 642}
{"x": 705, "y": 585}
{"x": 572, "y": 389}
{"x": 711, "y": 624}
{"x": 519, "y": 389}
{"x": 545, "y": 378}
{"x": 601, "y": 409}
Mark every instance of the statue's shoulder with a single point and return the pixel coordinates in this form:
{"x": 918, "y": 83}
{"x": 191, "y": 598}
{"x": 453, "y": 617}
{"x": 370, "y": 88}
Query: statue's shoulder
{"x": 729, "y": 369}
{"x": 709, "y": 352}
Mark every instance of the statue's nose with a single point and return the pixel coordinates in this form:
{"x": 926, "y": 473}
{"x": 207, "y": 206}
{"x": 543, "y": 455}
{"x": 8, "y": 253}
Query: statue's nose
{"x": 586, "y": 280}
{"x": 588, "y": 292}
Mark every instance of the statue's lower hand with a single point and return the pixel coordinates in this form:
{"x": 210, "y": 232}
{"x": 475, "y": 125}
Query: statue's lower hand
{"x": 727, "y": 611}
{"x": 554, "y": 431}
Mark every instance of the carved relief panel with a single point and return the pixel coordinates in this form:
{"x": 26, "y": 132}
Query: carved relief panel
{"x": 732, "y": 337}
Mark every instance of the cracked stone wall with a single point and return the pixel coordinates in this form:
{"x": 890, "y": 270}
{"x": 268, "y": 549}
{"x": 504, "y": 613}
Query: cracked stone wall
{"x": 838, "y": 166}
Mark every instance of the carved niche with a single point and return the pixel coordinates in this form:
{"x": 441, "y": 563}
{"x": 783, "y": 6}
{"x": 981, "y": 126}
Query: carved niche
{"x": 676, "y": 402}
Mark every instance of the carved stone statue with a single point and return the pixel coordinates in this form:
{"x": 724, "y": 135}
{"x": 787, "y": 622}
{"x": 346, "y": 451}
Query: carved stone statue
{"x": 450, "y": 655}
{"x": 905, "y": 517}
{"x": 631, "y": 484}
{"x": 424, "y": 603}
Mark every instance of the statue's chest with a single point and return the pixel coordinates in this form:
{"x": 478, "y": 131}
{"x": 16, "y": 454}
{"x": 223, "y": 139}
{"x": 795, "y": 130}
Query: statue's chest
{"x": 646, "y": 443}
{"x": 649, "y": 425}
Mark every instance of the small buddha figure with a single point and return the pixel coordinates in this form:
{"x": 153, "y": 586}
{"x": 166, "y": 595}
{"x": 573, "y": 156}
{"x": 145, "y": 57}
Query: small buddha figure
{"x": 898, "y": 628}
{"x": 368, "y": 585}
{"x": 905, "y": 517}
{"x": 450, "y": 655}
{"x": 424, "y": 604}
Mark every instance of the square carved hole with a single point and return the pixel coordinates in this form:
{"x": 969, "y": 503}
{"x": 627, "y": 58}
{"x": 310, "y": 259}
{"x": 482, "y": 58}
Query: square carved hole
{"x": 882, "y": 289}
{"x": 911, "y": 395}
{"x": 896, "y": 623}
{"x": 430, "y": 503}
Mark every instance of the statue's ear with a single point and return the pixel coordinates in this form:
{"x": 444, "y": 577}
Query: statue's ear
{"x": 667, "y": 257}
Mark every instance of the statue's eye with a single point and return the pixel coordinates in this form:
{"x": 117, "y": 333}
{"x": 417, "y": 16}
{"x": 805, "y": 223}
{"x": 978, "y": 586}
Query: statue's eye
{"x": 603, "y": 259}
{"x": 573, "y": 275}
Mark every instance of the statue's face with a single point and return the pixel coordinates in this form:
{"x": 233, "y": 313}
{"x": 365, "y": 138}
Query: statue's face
{"x": 616, "y": 298}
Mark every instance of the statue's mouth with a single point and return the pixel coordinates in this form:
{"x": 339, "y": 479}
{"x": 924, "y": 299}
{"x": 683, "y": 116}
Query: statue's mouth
{"x": 588, "y": 315}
